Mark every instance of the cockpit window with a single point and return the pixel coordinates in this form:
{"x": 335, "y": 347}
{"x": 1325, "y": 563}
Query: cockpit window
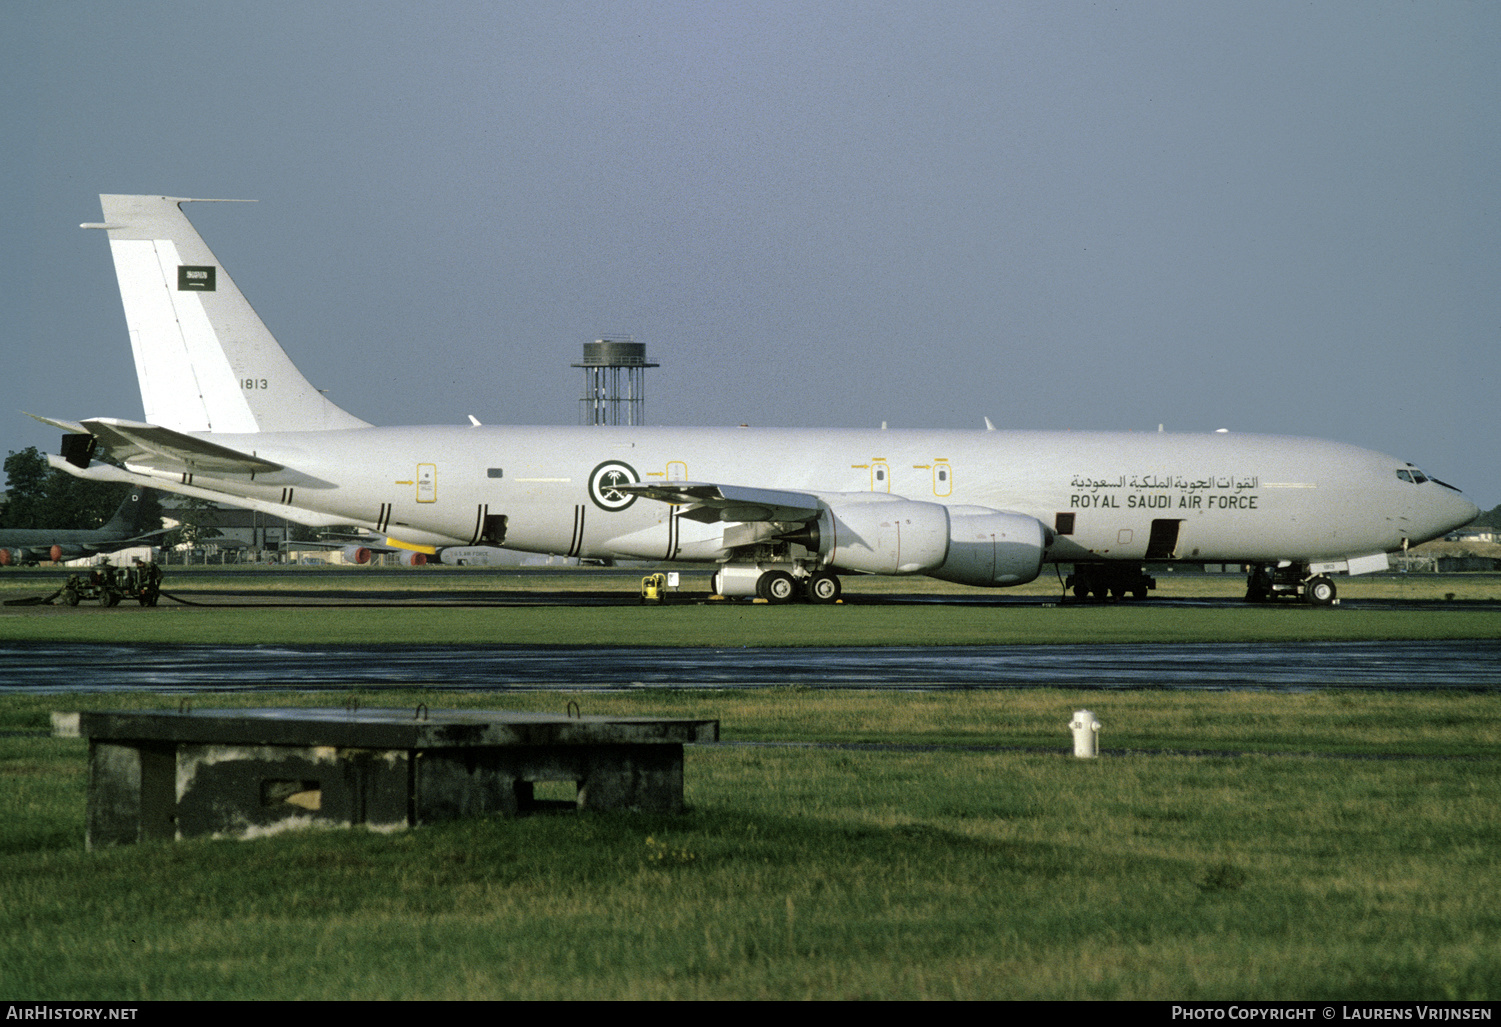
{"x": 1418, "y": 476}
{"x": 1404, "y": 476}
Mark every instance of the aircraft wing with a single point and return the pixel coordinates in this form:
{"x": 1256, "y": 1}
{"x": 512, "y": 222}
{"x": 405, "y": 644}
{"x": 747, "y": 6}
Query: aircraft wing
{"x": 707, "y": 502}
{"x": 162, "y": 449}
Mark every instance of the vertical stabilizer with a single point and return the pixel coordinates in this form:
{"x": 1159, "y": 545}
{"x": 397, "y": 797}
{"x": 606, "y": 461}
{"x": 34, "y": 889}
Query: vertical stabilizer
{"x": 204, "y": 359}
{"x": 130, "y": 519}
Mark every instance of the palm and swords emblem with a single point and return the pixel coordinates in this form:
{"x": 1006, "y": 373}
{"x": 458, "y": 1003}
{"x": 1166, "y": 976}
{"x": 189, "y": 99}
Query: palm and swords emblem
{"x": 604, "y": 482}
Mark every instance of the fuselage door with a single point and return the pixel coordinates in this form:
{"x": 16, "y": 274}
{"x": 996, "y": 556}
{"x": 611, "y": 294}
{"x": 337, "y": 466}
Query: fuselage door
{"x": 880, "y": 476}
{"x": 1163, "y": 542}
{"x": 427, "y": 483}
{"x": 943, "y": 478}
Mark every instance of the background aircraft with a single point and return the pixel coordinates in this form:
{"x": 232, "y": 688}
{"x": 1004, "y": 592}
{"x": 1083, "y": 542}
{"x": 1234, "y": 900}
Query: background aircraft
{"x": 357, "y": 548}
{"x": 229, "y": 418}
{"x": 123, "y": 530}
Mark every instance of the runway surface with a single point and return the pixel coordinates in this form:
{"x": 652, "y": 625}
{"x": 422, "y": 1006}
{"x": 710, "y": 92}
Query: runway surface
{"x": 47, "y": 668}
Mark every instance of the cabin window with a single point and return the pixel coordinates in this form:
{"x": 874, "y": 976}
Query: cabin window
{"x": 1063, "y": 524}
{"x": 495, "y": 472}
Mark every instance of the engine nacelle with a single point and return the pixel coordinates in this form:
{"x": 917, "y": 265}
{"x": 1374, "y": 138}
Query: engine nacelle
{"x": 884, "y": 536}
{"x": 409, "y": 559}
{"x": 55, "y": 553}
{"x": 991, "y": 547}
{"x": 10, "y": 557}
{"x": 971, "y": 545}
{"x": 356, "y": 554}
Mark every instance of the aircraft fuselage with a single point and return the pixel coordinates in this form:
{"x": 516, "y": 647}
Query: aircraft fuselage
{"x": 1235, "y": 497}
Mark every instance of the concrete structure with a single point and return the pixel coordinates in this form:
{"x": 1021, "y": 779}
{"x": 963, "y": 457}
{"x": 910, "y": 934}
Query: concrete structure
{"x": 165, "y": 775}
{"x": 614, "y": 382}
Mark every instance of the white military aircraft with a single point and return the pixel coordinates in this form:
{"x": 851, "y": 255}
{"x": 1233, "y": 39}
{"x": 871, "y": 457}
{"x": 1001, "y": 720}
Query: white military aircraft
{"x": 230, "y": 419}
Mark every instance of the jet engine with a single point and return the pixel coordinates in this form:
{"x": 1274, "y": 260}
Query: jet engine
{"x": 10, "y": 557}
{"x": 413, "y": 559}
{"x": 993, "y": 547}
{"x": 886, "y": 536}
{"x": 971, "y": 545}
{"x": 356, "y": 554}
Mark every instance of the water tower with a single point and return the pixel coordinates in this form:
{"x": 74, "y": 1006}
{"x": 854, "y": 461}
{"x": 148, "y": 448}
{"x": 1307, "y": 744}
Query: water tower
{"x": 614, "y": 382}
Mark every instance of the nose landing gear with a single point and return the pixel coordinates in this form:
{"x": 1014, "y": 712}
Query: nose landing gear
{"x": 1271, "y": 581}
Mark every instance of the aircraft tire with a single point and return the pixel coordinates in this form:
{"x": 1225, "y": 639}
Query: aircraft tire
{"x": 70, "y": 598}
{"x": 823, "y": 588}
{"x": 777, "y": 587}
{"x": 1320, "y": 591}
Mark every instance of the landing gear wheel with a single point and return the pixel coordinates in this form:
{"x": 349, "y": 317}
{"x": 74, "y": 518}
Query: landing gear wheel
{"x": 822, "y": 587}
{"x": 1320, "y": 591}
{"x": 70, "y": 598}
{"x": 777, "y": 587}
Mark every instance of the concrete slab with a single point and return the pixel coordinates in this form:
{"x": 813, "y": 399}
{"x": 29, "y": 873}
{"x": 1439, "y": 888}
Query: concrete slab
{"x": 158, "y": 774}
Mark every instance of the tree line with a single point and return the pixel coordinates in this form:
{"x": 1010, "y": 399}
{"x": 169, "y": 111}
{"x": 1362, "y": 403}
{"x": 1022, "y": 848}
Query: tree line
{"x": 37, "y": 496}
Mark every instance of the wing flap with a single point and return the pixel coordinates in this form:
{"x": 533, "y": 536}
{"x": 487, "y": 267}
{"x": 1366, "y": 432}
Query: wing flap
{"x": 707, "y": 502}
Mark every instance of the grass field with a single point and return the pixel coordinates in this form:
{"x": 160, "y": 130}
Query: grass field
{"x": 1228, "y": 846}
{"x": 1350, "y": 852}
{"x": 252, "y": 578}
{"x": 1468, "y": 615}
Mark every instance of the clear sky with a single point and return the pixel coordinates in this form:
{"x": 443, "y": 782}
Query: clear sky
{"x": 1263, "y": 216}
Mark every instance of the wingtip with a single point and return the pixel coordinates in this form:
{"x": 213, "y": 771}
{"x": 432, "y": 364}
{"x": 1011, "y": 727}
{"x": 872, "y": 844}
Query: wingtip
{"x": 71, "y": 427}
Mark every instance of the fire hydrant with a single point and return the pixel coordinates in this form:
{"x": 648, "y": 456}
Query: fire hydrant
{"x": 1086, "y": 729}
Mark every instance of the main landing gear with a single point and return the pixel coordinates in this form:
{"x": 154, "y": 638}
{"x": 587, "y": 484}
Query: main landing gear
{"x": 1109, "y": 580}
{"x": 777, "y": 585}
{"x": 1270, "y": 581}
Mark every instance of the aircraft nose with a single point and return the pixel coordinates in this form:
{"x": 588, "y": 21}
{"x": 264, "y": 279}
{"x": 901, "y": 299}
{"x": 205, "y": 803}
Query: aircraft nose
{"x": 1457, "y": 511}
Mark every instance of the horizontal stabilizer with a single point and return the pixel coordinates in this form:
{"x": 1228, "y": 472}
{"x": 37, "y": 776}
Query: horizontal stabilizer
{"x": 164, "y": 450}
{"x": 67, "y": 427}
{"x": 280, "y": 510}
{"x": 708, "y": 502}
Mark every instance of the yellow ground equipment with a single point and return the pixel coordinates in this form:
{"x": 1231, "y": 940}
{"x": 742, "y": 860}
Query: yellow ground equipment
{"x": 654, "y": 588}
